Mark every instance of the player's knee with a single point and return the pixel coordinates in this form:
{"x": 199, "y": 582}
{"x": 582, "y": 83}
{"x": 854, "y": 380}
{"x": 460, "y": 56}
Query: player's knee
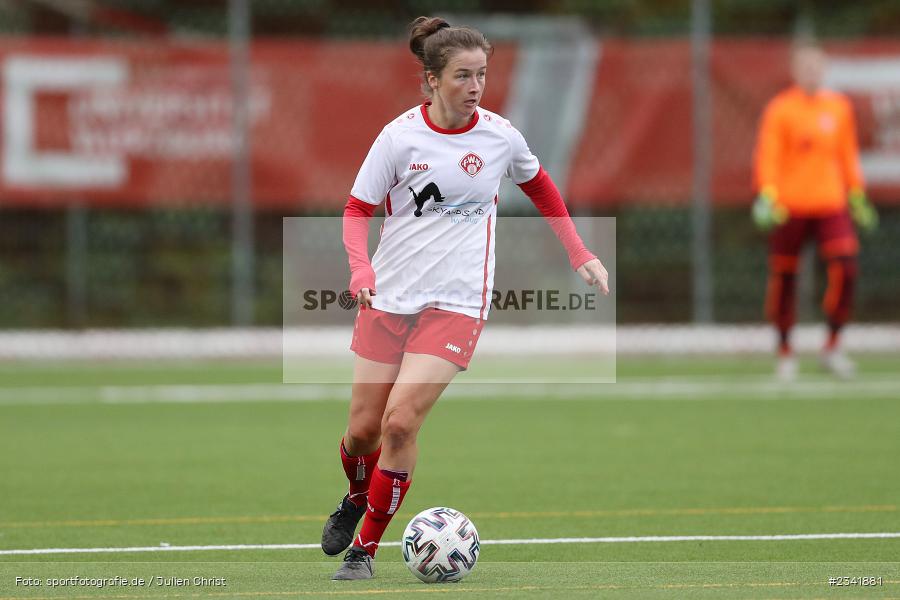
{"x": 363, "y": 434}
{"x": 399, "y": 428}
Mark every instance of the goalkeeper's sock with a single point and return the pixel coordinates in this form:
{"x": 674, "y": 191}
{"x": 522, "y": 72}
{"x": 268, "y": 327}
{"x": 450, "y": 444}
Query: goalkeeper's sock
{"x": 385, "y": 496}
{"x": 359, "y": 473}
{"x": 784, "y": 340}
{"x": 838, "y": 300}
{"x": 784, "y": 346}
{"x": 781, "y": 299}
{"x": 834, "y": 334}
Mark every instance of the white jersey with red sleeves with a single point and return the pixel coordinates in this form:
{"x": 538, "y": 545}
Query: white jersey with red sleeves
{"x": 440, "y": 187}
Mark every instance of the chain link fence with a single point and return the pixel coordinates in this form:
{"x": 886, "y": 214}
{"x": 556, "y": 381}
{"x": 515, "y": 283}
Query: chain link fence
{"x": 155, "y": 246}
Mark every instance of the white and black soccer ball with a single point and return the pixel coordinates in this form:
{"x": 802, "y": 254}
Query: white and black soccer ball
{"x": 440, "y": 545}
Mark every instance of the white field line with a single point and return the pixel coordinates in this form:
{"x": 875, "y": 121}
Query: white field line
{"x": 674, "y": 388}
{"x": 585, "y": 540}
{"x": 497, "y": 340}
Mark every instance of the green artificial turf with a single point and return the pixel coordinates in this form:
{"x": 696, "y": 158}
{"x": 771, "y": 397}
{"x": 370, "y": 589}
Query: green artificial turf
{"x": 80, "y": 472}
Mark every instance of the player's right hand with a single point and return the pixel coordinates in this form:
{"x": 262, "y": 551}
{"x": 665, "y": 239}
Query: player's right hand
{"x": 767, "y": 212}
{"x": 364, "y": 297}
{"x": 362, "y": 279}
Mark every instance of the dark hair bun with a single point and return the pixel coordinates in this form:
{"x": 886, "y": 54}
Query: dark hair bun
{"x": 420, "y": 29}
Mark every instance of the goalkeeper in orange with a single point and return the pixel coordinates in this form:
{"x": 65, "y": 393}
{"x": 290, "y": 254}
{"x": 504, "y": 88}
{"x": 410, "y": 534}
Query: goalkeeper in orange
{"x": 810, "y": 186}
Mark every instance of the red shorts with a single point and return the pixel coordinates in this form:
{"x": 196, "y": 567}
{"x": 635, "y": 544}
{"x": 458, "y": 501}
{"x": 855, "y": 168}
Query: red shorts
{"x": 384, "y": 337}
{"x": 834, "y": 234}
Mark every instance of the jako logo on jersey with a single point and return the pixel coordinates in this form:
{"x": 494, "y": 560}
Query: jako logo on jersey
{"x": 471, "y": 163}
{"x": 453, "y": 348}
{"x": 429, "y": 191}
{"x": 418, "y": 166}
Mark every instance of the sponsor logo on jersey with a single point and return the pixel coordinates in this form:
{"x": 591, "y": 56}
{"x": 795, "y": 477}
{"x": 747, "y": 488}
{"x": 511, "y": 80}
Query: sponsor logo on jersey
{"x": 429, "y": 191}
{"x": 471, "y": 163}
{"x": 418, "y": 166}
{"x": 453, "y": 348}
{"x": 457, "y": 214}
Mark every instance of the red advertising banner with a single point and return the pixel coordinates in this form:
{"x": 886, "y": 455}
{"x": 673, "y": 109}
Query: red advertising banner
{"x": 136, "y": 124}
{"x": 139, "y": 124}
{"x": 637, "y": 144}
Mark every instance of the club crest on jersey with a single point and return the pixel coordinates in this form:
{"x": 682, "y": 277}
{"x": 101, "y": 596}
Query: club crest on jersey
{"x": 826, "y": 123}
{"x": 471, "y": 163}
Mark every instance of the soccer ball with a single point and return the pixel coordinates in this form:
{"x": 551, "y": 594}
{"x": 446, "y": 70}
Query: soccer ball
{"x": 440, "y": 545}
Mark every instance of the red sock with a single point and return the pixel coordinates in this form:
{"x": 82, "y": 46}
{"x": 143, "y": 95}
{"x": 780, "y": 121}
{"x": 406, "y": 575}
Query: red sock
{"x": 838, "y": 301}
{"x": 833, "y": 337}
{"x": 784, "y": 347}
{"x": 359, "y": 473}
{"x": 781, "y": 298}
{"x": 385, "y": 496}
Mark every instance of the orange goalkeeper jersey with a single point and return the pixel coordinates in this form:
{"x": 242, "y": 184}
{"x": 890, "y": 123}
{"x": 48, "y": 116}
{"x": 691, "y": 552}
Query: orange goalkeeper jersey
{"x": 807, "y": 151}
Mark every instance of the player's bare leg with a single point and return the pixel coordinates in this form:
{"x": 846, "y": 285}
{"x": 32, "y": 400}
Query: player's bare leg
{"x": 420, "y": 382}
{"x": 360, "y": 449}
{"x": 372, "y": 383}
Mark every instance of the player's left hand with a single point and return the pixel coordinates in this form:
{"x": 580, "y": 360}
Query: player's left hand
{"x": 862, "y": 212}
{"x": 594, "y": 274}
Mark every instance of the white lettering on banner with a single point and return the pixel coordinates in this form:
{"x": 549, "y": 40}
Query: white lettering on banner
{"x": 113, "y": 114}
{"x": 184, "y": 115}
{"x": 23, "y": 78}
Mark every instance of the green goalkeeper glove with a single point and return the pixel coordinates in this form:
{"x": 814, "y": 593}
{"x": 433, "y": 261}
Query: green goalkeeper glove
{"x": 862, "y": 211}
{"x": 767, "y": 213}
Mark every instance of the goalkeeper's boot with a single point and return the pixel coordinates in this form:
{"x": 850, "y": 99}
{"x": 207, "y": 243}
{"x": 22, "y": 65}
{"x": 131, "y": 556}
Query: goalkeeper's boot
{"x": 357, "y": 565}
{"x": 786, "y": 369}
{"x": 340, "y": 527}
{"x": 836, "y": 362}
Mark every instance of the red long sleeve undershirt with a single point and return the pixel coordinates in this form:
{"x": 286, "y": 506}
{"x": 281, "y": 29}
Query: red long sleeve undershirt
{"x": 540, "y": 189}
{"x": 357, "y": 215}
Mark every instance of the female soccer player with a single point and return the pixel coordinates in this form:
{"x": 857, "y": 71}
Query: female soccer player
{"x": 810, "y": 186}
{"x": 437, "y": 167}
